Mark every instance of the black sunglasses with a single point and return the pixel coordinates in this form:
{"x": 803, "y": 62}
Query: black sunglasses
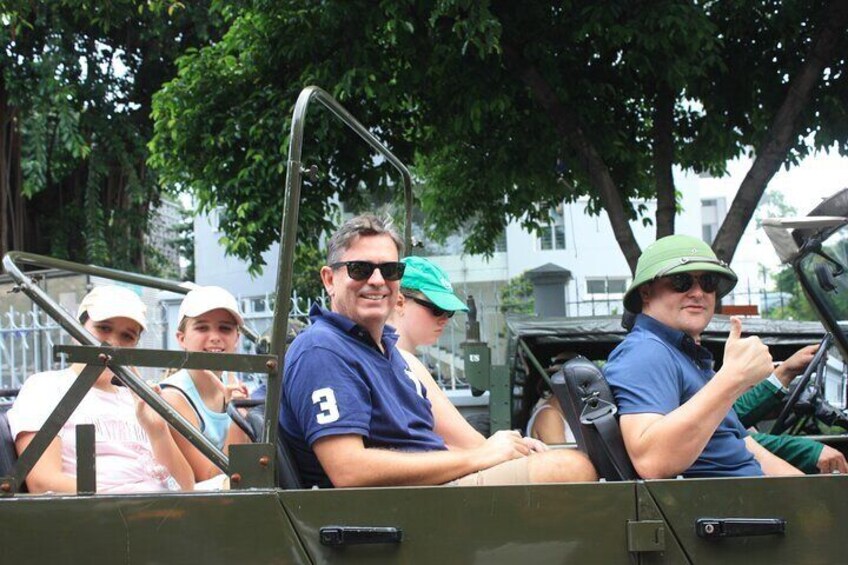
{"x": 362, "y": 270}
{"x": 435, "y": 310}
{"x": 682, "y": 282}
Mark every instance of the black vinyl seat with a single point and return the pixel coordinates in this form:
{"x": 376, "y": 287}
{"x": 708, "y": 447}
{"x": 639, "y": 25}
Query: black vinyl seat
{"x": 8, "y": 453}
{"x": 591, "y": 413}
{"x": 288, "y": 477}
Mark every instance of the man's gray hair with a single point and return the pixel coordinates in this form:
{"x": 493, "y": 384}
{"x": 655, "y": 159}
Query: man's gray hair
{"x": 364, "y": 225}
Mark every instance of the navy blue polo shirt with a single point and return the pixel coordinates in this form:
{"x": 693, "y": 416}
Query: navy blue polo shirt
{"x": 655, "y": 370}
{"x": 336, "y": 381}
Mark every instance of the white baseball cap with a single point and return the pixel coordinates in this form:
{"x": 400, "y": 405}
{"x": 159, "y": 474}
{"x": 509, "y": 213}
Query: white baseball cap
{"x": 105, "y": 302}
{"x": 207, "y": 298}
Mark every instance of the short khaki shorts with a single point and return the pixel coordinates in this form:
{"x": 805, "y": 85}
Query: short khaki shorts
{"x": 512, "y": 472}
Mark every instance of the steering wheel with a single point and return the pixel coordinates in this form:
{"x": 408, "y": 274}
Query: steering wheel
{"x": 236, "y": 416}
{"x": 817, "y": 366}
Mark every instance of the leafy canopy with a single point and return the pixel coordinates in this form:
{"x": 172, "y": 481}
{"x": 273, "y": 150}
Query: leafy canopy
{"x": 505, "y": 108}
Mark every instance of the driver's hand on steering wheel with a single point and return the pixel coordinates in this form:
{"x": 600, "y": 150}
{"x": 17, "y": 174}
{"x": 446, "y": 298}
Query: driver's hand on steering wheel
{"x": 795, "y": 365}
{"x": 831, "y": 461}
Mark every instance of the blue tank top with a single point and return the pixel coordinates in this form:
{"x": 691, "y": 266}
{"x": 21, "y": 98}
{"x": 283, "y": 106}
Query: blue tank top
{"x": 213, "y": 425}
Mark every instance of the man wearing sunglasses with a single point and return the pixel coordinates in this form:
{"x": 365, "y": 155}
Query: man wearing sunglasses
{"x": 676, "y": 413}
{"x": 352, "y": 411}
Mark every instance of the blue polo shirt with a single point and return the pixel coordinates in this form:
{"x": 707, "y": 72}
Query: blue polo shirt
{"x": 655, "y": 370}
{"x": 336, "y": 381}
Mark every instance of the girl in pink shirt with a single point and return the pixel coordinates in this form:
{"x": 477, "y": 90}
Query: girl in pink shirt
{"x": 134, "y": 448}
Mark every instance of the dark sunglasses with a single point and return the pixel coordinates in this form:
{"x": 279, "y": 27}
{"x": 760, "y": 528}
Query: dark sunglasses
{"x": 682, "y": 282}
{"x": 362, "y": 270}
{"x": 435, "y": 310}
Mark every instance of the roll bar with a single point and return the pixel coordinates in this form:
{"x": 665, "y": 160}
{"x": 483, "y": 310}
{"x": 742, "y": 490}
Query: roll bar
{"x": 288, "y": 232}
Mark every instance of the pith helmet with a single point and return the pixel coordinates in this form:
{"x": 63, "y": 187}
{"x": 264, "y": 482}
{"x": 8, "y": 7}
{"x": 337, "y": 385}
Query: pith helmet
{"x": 677, "y": 254}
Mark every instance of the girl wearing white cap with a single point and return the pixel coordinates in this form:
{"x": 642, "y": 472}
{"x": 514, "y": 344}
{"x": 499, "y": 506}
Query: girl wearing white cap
{"x": 209, "y": 322}
{"x": 135, "y": 452}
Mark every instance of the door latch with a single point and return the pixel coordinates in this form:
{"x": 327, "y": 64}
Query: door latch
{"x": 718, "y": 528}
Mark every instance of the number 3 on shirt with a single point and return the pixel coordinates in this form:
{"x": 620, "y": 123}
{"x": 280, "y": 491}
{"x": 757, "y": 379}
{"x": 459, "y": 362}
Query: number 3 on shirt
{"x": 325, "y": 398}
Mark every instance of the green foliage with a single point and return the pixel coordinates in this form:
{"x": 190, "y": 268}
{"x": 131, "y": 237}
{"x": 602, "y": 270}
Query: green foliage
{"x": 185, "y": 244}
{"x": 499, "y": 105}
{"x": 306, "y": 277}
{"x": 798, "y": 307}
{"x": 517, "y": 296}
{"x": 78, "y": 76}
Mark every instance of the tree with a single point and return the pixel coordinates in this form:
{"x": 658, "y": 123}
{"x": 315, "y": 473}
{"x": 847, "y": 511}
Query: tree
{"x": 506, "y": 108}
{"x": 797, "y": 307}
{"x": 517, "y": 296}
{"x": 76, "y": 81}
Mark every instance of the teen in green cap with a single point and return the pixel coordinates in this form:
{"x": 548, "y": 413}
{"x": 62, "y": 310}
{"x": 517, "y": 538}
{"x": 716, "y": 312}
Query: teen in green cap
{"x": 425, "y": 306}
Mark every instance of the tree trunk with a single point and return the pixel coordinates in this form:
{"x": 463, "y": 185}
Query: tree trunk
{"x": 5, "y": 169}
{"x": 663, "y": 133}
{"x": 572, "y": 133}
{"x": 772, "y": 153}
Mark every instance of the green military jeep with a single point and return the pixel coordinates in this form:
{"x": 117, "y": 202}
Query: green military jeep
{"x": 267, "y": 518}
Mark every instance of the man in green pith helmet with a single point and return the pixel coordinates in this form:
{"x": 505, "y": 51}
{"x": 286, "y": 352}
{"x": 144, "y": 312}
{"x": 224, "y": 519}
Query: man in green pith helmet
{"x": 676, "y": 412}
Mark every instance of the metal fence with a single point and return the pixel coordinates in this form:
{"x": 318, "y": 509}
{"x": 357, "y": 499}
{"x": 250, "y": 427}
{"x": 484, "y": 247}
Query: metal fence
{"x": 28, "y": 336}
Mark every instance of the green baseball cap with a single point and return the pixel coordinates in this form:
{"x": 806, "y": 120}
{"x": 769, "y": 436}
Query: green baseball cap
{"x": 431, "y": 281}
{"x": 677, "y": 254}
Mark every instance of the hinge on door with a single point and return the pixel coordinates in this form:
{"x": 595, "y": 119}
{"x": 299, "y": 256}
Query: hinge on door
{"x": 645, "y": 535}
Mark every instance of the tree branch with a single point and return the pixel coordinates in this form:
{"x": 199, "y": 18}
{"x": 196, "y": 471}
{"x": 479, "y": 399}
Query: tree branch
{"x": 772, "y": 153}
{"x": 663, "y": 131}
{"x": 572, "y": 133}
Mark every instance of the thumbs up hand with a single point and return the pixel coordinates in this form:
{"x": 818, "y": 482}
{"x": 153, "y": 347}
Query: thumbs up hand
{"x": 746, "y": 360}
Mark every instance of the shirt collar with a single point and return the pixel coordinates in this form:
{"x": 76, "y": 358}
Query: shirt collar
{"x": 677, "y": 338}
{"x": 348, "y": 326}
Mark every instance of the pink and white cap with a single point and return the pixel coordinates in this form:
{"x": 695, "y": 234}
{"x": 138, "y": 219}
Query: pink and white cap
{"x": 105, "y": 302}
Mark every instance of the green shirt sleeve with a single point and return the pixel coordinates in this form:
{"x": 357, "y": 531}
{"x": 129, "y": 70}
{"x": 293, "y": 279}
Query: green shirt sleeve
{"x": 798, "y": 451}
{"x": 757, "y": 403}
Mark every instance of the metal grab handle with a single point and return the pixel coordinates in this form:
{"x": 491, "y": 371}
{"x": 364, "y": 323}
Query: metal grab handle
{"x": 338, "y": 536}
{"x": 718, "y": 528}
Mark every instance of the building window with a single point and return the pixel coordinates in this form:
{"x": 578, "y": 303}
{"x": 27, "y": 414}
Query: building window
{"x": 606, "y": 285}
{"x": 552, "y": 236}
{"x": 713, "y": 211}
{"x": 500, "y": 243}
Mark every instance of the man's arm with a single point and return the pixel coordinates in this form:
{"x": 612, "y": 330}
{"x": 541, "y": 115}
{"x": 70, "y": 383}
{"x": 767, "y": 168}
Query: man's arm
{"x": 755, "y": 404}
{"x": 349, "y": 463}
{"x": 795, "y": 365}
{"x": 662, "y": 446}
{"x": 666, "y": 445}
{"x": 772, "y": 464}
{"x": 449, "y": 423}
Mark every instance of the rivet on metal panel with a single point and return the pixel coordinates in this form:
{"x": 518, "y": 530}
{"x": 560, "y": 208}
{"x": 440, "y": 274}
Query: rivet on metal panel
{"x": 104, "y": 358}
{"x": 264, "y": 460}
{"x": 272, "y": 365}
{"x": 6, "y": 487}
{"x": 235, "y": 478}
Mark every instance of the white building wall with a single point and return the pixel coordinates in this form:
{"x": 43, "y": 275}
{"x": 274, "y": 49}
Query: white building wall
{"x": 214, "y": 267}
{"x": 591, "y": 250}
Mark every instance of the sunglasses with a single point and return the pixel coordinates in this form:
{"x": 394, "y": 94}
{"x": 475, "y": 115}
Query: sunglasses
{"x": 362, "y": 270}
{"x": 435, "y": 310}
{"x": 682, "y": 282}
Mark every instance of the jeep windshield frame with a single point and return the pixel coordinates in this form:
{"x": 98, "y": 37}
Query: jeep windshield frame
{"x": 820, "y": 268}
